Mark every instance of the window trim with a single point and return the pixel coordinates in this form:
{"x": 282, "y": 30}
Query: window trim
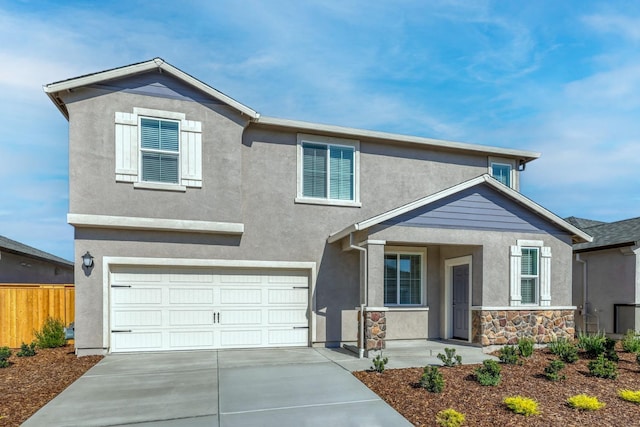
{"x": 327, "y": 141}
{"x": 513, "y": 174}
{"x": 403, "y": 250}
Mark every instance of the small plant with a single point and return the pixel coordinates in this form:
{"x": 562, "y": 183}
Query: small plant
{"x": 51, "y": 335}
{"x": 592, "y": 344}
{"x": 432, "y": 379}
{"x": 522, "y": 405}
{"x": 489, "y": 373}
{"x": 603, "y": 368}
{"x": 552, "y": 372}
{"x": 379, "y": 363}
{"x": 27, "y": 350}
{"x": 5, "y": 354}
{"x": 638, "y": 358}
{"x": 630, "y": 395}
{"x": 450, "y": 359}
{"x": 610, "y": 349}
{"x": 525, "y": 346}
{"x": 508, "y": 355}
{"x": 631, "y": 342}
{"x": 450, "y": 418}
{"x": 585, "y": 403}
{"x": 564, "y": 349}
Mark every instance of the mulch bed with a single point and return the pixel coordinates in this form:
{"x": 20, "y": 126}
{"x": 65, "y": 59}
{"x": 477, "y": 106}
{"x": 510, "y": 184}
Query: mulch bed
{"x": 482, "y": 405}
{"x": 30, "y": 382}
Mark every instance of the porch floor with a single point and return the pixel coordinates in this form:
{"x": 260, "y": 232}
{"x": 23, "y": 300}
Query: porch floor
{"x": 405, "y": 354}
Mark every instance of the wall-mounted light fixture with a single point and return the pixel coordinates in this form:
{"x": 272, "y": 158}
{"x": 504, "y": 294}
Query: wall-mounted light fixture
{"x": 87, "y": 260}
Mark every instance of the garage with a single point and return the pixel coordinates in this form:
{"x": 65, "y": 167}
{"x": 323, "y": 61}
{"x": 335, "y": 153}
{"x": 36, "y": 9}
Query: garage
{"x": 164, "y": 309}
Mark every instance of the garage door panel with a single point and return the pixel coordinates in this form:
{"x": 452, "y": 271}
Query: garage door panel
{"x": 288, "y": 296}
{"x": 284, "y": 337}
{"x": 137, "y": 296}
{"x": 292, "y": 279}
{"x": 240, "y": 296}
{"x": 240, "y": 317}
{"x": 190, "y": 295}
{"x": 191, "y": 339}
{"x": 136, "y": 341}
{"x": 190, "y": 277}
{"x": 190, "y": 317}
{"x": 288, "y": 317}
{"x": 234, "y": 338}
{"x": 240, "y": 278}
{"x": 136, "y": 318}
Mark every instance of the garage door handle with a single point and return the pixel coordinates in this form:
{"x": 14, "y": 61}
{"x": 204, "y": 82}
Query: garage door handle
{"x": 120, "y": 286}
{"x": 300, "y": 287}
{"x": 120, "y": 330}
{"x": 300, "y": 327}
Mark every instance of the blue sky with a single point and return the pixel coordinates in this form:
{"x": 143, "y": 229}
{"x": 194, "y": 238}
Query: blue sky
{"x": 562, "y": 78}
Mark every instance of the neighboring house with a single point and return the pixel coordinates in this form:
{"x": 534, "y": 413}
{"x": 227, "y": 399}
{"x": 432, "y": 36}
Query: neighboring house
{"x": 606, "y": 276}
{"x": 212, "y": 226}
{"x": 20, "y": 263}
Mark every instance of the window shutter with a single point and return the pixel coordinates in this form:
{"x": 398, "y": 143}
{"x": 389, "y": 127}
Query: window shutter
{"x": 191, "y": 153}
{"x": 341, "y": 173}
{"x": 515, "y": 276}
{"x": 545, "y": 276}
{"x": 126, "y": 147}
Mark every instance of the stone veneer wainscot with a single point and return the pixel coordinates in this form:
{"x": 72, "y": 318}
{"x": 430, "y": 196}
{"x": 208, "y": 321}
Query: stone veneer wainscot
{"x": 500, "y": 327}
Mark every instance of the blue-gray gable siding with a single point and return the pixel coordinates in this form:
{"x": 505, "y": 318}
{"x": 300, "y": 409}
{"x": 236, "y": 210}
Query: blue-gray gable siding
{"x": 477, "y": 208}
{"x": 159, "y": 85}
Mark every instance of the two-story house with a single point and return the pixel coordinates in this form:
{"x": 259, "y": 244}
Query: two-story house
{"x": 207, "y": 225}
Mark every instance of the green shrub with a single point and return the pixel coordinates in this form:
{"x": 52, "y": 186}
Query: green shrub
{"x": 432, "y": 379}
{"x": 508, "y": 355}
{"x": 564, "y": 349}
{"x": 631, "y": 342}
{"x": 450, "y": 358}
{"x": 379, "y": 363}
{"x": 630, "y": 395}
{"x": 610, "y": 349}
{"x": 603, "y": 368}
{"x": 51, "y": 335}
{"x": 585, "y": 403}
{"x": 552, "y": 372}
{"x": 525, "y": 346}
{"x": 489, "y": 373}
{"x": 592, "y": 344}
{"x": 5, "y": 354}
{"x": 27, "y": 350}
{"x": 522, "y": 405}
{"x": 450, "y": 418}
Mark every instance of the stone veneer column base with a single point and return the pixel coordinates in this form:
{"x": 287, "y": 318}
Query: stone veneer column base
{"x": 500, "y": 327}
{"x": 375, "y": 330}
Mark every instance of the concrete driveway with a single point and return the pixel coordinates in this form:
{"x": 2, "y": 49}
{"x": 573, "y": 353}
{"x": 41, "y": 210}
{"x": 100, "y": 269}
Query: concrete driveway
{"x": 278, "y": 387}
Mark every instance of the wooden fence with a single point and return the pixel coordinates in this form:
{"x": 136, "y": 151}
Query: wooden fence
{"x": 24, "y": 308}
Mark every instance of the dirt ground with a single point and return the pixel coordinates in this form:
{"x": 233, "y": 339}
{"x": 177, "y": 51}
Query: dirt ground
{"x": 482, "y": 405}
{"x": 30, "y": 382}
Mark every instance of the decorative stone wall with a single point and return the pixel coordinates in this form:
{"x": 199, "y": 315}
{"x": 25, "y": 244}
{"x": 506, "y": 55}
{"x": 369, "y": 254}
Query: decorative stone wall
{"x": 502, "y": 327}
{"x": 375, "y": 330}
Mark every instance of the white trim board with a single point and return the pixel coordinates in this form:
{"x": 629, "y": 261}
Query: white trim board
{"x": 159, "y": 224}
{"x": 448, "y": 294}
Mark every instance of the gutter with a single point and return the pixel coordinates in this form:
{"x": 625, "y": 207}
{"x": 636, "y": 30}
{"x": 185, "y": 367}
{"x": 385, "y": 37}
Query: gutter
{"x": 584, "y": 291}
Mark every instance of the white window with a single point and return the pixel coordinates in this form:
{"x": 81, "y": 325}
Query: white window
{"x": 327, "y": 170}
{"x": 530, "y": 273}
{"x": 158, "y": 149}
{"x": 503, "y": 170}
{"x": 404, "y": 278}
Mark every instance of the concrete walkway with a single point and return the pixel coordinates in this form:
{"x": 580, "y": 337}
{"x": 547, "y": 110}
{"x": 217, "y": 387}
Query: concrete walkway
{"x": 275, "y": 387}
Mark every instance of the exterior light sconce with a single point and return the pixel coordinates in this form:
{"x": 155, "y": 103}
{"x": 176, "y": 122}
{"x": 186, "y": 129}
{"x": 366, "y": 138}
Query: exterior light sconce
{"x": 87, "y": 260}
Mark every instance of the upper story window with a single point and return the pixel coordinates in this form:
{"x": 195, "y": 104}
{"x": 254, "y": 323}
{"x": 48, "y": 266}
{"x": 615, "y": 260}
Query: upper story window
{"x": 504, "y": 170}
{"x": 327, "y": 170}
{"x": 158, "y": 149}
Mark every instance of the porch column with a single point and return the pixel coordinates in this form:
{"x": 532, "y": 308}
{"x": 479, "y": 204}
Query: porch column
{"x": 375, "y": 265}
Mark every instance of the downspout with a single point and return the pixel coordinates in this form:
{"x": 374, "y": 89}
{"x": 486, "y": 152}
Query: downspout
{"x": 584, "y": 291}
{"x": 366, "y": 293}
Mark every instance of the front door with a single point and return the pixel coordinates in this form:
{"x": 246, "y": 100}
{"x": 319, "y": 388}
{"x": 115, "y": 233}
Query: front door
{"x": 461, "y": 301}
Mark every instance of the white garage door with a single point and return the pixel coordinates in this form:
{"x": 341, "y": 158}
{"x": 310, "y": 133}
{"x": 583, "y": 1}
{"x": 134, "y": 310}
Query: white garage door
{"x": 156, "y": 309}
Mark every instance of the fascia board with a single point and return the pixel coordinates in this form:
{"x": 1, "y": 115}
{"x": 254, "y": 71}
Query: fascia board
{"x": 369, "y": 134}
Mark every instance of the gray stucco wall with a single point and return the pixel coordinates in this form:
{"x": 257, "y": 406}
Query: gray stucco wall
{"x": 611, "y": 279}
{"x": 249, "y": 176}
{"x": 16, "y": 268}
